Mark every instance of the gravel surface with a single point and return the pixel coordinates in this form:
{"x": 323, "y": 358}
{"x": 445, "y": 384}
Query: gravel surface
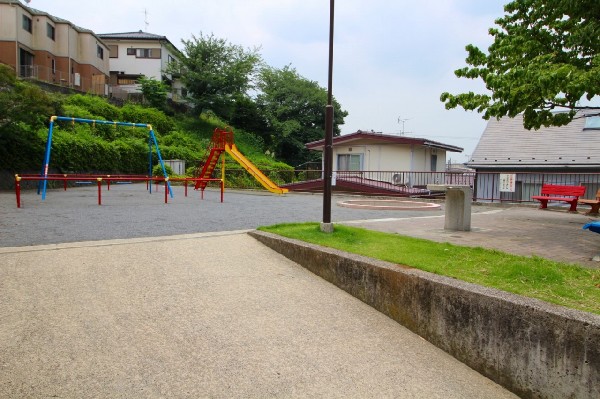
{"x": 129, "y": 211}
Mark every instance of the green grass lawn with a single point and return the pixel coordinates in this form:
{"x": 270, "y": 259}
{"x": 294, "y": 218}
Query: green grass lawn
{"x": 560, "y": 283}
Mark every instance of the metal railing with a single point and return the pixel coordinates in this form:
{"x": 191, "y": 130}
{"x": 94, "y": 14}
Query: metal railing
{"x": 61, "y": 78}
{"x": 493, "y": 186}
{"x": 515, "y": 187}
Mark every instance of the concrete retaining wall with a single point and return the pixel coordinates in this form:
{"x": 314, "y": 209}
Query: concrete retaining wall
{"x": 534, "y": 349}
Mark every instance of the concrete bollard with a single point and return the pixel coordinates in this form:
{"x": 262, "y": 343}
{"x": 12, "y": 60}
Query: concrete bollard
{"x": 458, "y": 206}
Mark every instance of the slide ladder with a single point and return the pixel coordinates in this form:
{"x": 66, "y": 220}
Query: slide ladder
{"x": 208, "y": 167}
{"x": 222, "y": 140}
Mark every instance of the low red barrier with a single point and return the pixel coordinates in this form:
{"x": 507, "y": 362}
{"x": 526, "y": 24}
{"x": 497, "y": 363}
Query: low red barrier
{"x": 109, "y": 179}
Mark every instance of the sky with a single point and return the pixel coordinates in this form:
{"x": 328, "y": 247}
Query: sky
{"x": 392, "y": 58}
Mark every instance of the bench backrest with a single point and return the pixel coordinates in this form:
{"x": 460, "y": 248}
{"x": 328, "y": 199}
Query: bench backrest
{"x": 569, "y": 191}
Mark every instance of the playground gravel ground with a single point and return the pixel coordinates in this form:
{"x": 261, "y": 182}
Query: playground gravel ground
{"x": 130, "y": 211}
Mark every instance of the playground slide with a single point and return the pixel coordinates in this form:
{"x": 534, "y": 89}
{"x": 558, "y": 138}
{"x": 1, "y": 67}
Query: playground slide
{"x": 253, "y": 170}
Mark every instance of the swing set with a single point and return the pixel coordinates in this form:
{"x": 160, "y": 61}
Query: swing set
{"x": 44, "y": 176}
{"x": 151, "y": 142}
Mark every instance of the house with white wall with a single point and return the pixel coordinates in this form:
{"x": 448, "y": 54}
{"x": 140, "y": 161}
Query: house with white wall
{"x": 136, "y": 54}
{"x": 395, "y": 159}
{"x": 41, "y": 46}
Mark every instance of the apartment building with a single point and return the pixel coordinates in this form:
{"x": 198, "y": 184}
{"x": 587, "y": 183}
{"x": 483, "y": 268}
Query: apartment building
{"x": 41, "y": 46}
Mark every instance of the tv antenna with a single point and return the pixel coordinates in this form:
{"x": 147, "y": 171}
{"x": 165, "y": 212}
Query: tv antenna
{"x": 403, "y": 121}
{"x": 146, "y": 23}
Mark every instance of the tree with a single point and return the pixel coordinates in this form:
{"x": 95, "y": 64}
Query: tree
{"x": 294, "y": 108}
{"x": 154, "y": 91}
{"x": 216, "y": 72}
{"x": 545, "y": 58}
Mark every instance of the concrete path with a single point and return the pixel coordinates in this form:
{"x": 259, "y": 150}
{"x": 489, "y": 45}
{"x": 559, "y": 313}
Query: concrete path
{"x": 213, "y": 315}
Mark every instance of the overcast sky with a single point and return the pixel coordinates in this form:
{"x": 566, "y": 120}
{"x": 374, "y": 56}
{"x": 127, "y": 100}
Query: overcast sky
{"x": 392, "y": 58}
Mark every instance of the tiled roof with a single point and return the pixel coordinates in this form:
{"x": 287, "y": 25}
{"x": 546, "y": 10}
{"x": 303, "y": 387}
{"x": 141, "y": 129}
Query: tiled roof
{"x": 506, "y": 143}
{"x": 380, "y": 138}
{"x": 139, "y": 35}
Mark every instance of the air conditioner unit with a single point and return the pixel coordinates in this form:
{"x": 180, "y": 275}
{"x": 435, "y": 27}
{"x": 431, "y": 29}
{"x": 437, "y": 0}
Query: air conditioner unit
{"x": 398, "y": 179}
{"x": 434, "y": 151}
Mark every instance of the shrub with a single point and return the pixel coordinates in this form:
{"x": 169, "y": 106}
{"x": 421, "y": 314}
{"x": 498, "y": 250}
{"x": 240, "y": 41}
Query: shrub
{"x": 95, "y": 105}
{"x": 138, "y": 114}
{"x": 157, "y": 170}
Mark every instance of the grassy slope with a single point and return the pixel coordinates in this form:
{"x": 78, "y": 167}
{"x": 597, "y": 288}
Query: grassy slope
{"x": 559, "y": 283}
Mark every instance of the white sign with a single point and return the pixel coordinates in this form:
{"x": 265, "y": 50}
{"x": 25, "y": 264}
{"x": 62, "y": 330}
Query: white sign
{"x": 507, "y": 182}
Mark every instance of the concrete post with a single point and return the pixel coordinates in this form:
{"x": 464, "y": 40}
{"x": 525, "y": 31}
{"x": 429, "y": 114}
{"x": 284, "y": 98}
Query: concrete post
{"x": 458, "y": 206}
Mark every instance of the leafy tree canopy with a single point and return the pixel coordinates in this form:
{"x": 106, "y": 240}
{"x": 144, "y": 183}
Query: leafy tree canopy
{"x": 294, "y": 109}
{"x": 154, "y": 91}
{"x": 216, "y": 72}
{"x": 545, "y": 57}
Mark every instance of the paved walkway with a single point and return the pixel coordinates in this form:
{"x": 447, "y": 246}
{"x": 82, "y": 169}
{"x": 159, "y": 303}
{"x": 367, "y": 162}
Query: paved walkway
{"x": 215, "y": 315}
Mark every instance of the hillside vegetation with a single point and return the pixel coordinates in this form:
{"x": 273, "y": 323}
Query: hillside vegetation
{"x": 25, "y": 111}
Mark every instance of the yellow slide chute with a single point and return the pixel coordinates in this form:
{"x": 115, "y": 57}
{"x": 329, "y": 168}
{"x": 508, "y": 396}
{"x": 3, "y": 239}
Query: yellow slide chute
{"x": 267, "y": 183}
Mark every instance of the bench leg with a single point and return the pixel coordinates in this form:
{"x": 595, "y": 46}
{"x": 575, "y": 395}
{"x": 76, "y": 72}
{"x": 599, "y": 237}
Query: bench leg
{"x": 573, "y": 207}
{"x": 543, "y": 204}
{"x": 595, "y": 209}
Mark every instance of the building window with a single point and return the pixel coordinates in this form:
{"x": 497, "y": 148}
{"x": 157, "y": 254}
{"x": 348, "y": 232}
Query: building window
{"x": 592, "y": 123}
{"x": 170, "y": 59}
{"x": 349, "y": 161}
{"x": 27, "y": 24}
{"x": 143, "y": 53}
{"x": 53, "y": 66}
{"x": 126, "y": 81}
{"x": 147, "y": 53}
{"x": 113, "y": 51}
{"x": 26, "y": 61}
{"x": 130, "y": 51}
{"x": 100, "y": 52}
{"x": 50, "y": 31}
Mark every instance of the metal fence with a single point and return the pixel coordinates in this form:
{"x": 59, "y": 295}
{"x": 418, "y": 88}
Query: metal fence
{"x": 507, "y": 186}
{"x": 61, "y": 78}
{"x": 520, "y": 186}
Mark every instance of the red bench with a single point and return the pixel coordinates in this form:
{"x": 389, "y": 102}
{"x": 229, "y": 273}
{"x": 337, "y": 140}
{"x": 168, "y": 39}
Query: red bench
{"x": 554, "y": 192}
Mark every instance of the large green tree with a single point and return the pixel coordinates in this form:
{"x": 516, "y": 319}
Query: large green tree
{"x": 216, "y": 72}
{"x": 294, "y": 109}
{"x": 545, "y": 58}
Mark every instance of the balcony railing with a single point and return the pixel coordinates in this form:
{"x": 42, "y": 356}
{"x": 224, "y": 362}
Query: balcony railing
{"x": 61, "y": 78}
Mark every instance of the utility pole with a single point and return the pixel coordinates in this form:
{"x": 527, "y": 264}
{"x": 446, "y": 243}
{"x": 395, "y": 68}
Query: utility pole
{"x": 326, "y": 225}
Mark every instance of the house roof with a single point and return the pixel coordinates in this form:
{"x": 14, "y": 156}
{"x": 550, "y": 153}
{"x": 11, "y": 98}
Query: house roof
{"x": 506, "y": 143}
{"x": 361, "y": 137}
{"x": 139, "y": 35}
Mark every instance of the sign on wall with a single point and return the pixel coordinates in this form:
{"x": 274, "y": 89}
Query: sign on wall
{"x": 507, "y": 182}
